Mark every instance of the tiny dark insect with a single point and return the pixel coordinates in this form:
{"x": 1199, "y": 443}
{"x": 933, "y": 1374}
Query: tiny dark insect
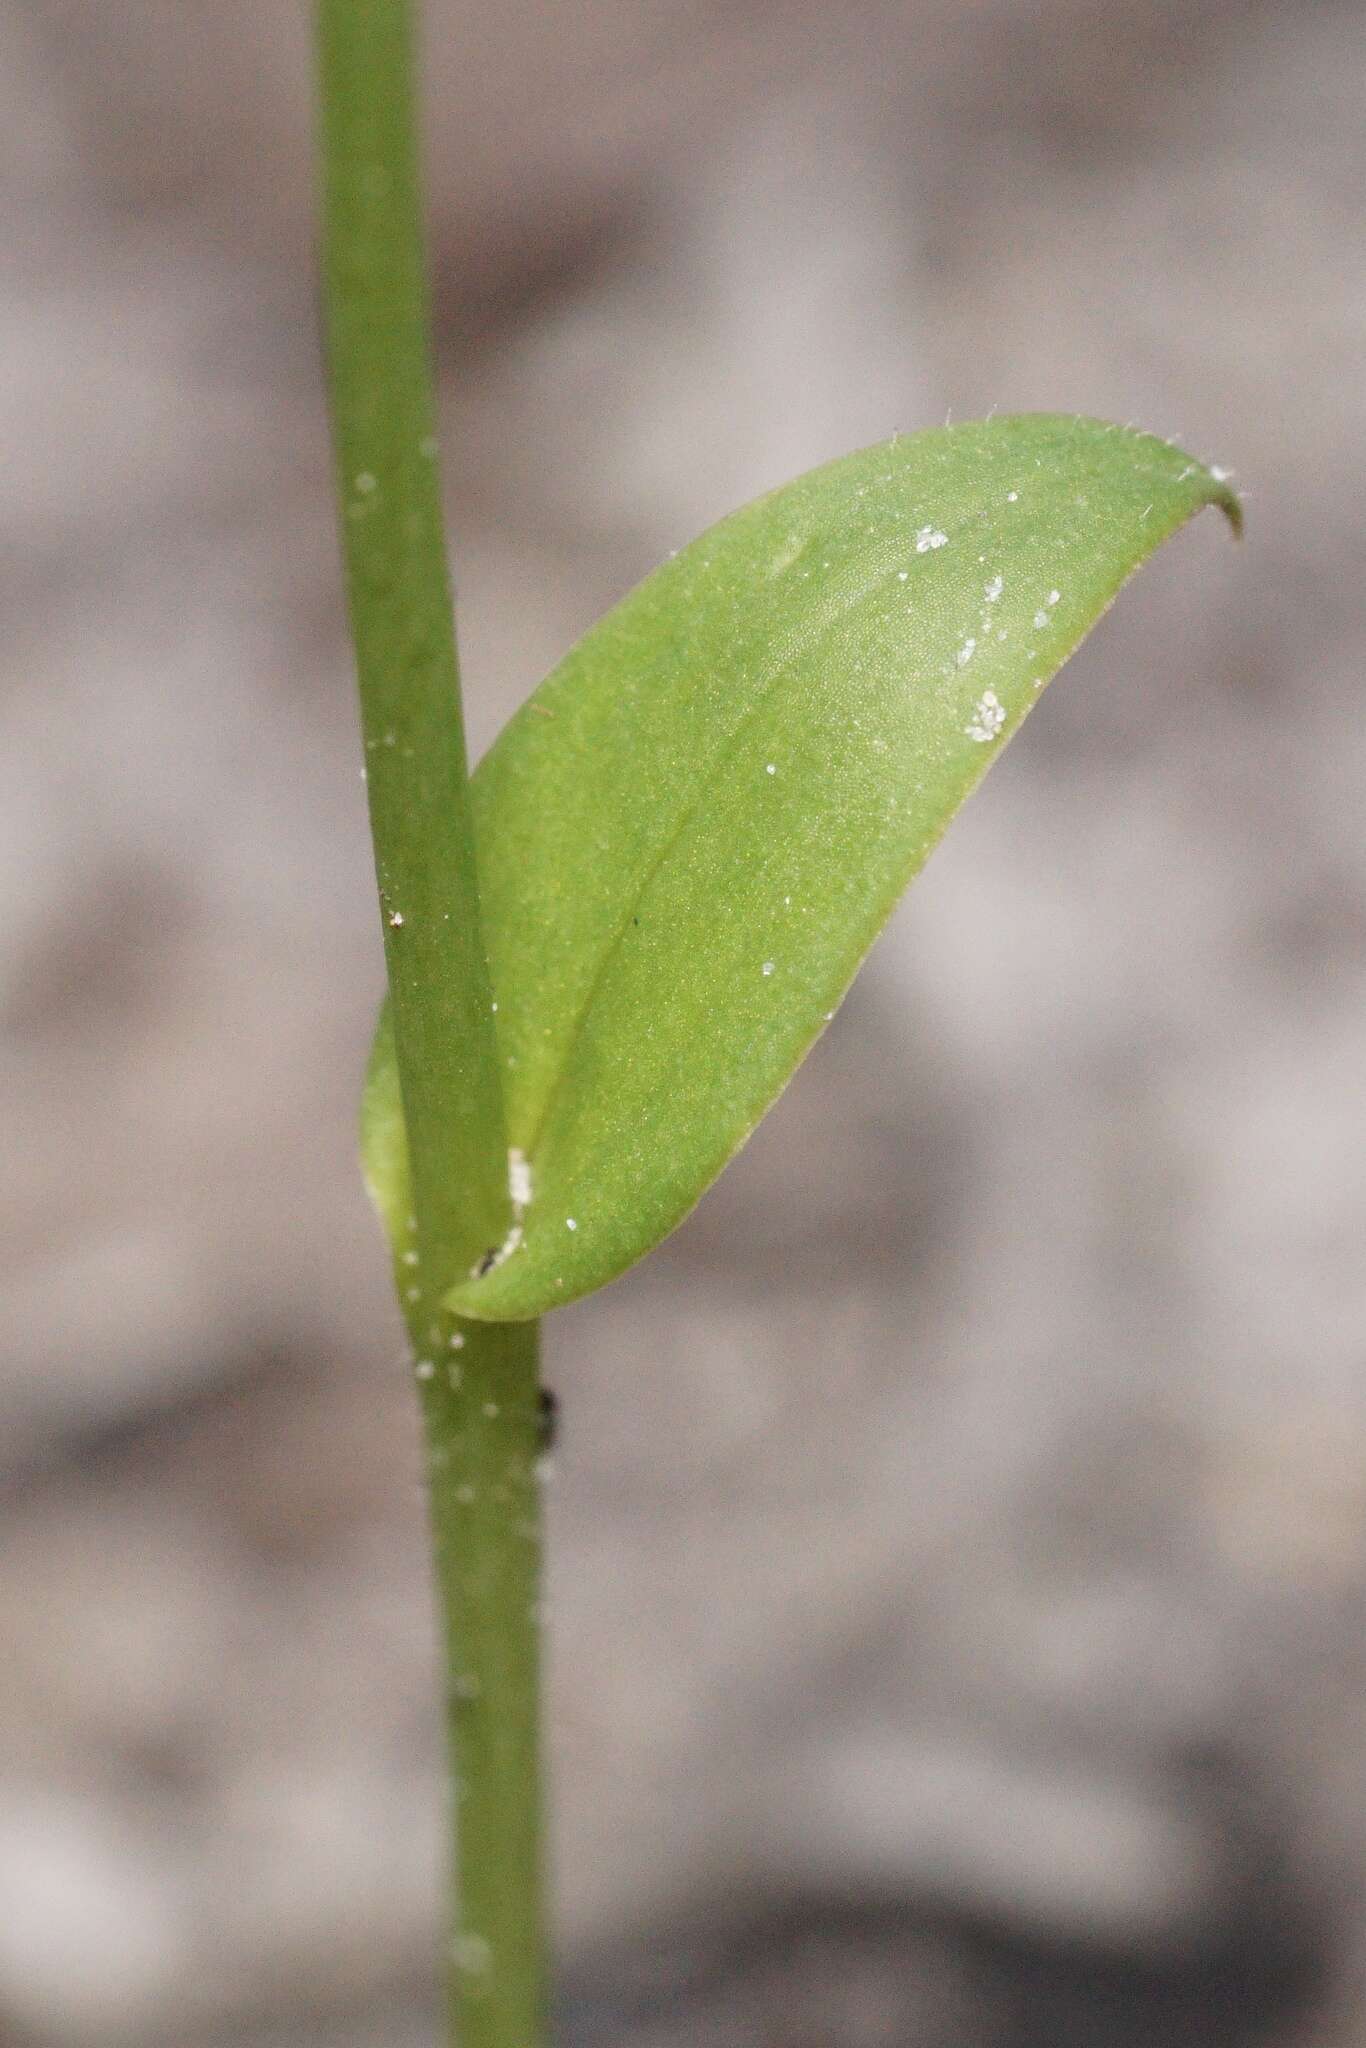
{"x": 487, "y": 1263}
{"x": 549, "y": 1418}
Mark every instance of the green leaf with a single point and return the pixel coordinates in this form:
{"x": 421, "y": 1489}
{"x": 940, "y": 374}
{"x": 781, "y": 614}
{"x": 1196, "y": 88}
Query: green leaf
{"x": 691, "y": 834}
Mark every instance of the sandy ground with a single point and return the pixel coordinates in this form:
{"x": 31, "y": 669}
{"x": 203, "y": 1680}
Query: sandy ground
{"x": 960, "y": 1527}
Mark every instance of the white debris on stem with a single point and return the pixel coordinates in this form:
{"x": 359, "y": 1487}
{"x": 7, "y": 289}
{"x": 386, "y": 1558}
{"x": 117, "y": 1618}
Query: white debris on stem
{"x": 519, "y": 1179}
{"x": 491, "y": 1261}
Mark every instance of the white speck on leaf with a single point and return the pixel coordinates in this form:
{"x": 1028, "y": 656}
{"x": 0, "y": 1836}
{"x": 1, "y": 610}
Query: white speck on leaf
{"x": 424, "y": 1369}
{"x": 994, "y": 589}
{"x": 1053, "y": 596}
{"x": 930, "y": 537}
{"x": 988, "y": 718}
{"x": 770, "y": 768}
{"x": 412, "y": 1258}
{"x": 768, "y": 967}
{"x": 1012, "y": 497}
{"x": 966, "y": 652}
{"x": 1041, "y": 618}
{"x": 571, "y": 1222}
{"x": 458, "y": 1340}
{"x": 395, "y": 917}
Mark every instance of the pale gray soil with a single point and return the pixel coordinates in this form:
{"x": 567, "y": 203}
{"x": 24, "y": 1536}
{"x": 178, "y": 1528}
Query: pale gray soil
{"x": 960, "y": 1527}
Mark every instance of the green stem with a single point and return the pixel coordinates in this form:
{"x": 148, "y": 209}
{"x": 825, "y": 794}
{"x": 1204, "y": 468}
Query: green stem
{"x": 483, "y": 1447}
{"x": 479, "y": 1382}
{"x": 398, "y": 587}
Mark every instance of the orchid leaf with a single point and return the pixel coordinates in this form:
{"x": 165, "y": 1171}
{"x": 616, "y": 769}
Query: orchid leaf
{"x": 692, "y": 832}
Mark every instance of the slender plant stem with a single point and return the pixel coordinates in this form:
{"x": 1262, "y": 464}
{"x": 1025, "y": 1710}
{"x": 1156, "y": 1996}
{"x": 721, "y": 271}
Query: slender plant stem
{"x": 479, "y": 1381}
{"x": 402, "y": 625}
{"x": 483, "y": 1449}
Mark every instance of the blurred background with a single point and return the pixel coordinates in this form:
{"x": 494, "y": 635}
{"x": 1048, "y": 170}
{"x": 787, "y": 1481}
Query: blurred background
{"x": 959, "y": 1528}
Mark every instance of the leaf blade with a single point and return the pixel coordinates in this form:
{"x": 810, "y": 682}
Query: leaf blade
{"x": 692, "y": 833}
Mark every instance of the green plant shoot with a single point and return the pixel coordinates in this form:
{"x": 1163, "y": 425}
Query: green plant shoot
{"x": 608, "y": 951}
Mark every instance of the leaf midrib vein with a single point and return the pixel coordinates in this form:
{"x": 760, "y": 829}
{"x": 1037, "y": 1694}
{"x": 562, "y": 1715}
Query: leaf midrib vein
{"x": 799, "y": 643}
